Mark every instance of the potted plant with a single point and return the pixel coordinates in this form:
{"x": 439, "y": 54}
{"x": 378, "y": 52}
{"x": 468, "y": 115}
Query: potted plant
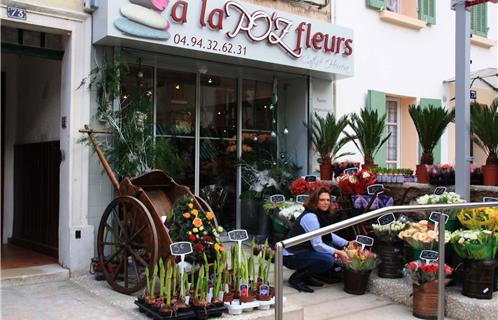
{"x": 325, "y": 134}
{"x": 484, "y": 122}
{"x": 430, "y": 123}
{"x": 389, "y": 248}
{"x": 368, "y": 128}
{"x": 357, "y": 272}
{"x": 424, "y": 276}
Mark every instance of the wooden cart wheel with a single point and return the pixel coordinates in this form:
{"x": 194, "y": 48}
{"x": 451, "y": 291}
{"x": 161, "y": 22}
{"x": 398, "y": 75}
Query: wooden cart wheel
{"x": 127, "y": 244}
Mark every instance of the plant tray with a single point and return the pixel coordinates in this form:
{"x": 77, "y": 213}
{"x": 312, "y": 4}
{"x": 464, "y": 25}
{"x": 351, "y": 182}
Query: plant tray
{"x": 237, "y": 307}
{"x": 144, "y": 308}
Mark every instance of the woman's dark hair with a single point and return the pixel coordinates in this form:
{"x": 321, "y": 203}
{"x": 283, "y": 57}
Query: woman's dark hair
{"x": 311, "y": 204}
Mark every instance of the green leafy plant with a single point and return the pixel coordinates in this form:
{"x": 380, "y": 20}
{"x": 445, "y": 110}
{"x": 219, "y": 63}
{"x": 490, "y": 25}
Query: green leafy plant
{"x": 325, "y": 134}
{"x": 484, "y": 121}
{"x": 368, "y": 128}
{"x": 430, "y": 123}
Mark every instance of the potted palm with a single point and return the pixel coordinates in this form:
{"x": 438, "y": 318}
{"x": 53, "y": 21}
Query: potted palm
{"x": 484, "y": 125}
{"x": 430, "y": 123}
{"x": 368, "y": 128}
{"x": 325, "y": 134}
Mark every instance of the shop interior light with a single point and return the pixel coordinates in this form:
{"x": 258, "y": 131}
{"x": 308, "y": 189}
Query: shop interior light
{"x": 286, "y": 131}
{"x": 265, "y": 107}
{"x": 177, "y": 87}
{"x": 210, "y": 80}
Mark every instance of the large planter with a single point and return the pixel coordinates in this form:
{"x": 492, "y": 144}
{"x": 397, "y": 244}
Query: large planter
{"x": 422, "y": 174}
{"x": 479, "y": 279}
{"x": 391, "y": 256}
{"x": 326, "y": 171}
{"x": 490, "y": 174}
{"x": 356, "y": 282}
{"x": 425, "y": 300}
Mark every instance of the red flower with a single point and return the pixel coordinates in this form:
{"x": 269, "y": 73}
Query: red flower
{"x": 191, "y": 237}
{"x": 299, "y": 186}
{"x": 208, "y": 239}
{"x": 199, "y": 247}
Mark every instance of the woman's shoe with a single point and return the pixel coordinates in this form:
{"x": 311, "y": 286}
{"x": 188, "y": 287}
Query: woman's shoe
{"x": 297, "y": 281}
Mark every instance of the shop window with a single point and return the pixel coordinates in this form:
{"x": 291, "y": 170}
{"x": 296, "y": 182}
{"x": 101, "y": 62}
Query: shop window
{"x": 392, "y": 123}
{"x": 393, "y": 5}
{"x": 479, "y": 20}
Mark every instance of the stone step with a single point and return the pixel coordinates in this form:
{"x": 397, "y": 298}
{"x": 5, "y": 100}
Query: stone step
{"x": 31, "y": 275}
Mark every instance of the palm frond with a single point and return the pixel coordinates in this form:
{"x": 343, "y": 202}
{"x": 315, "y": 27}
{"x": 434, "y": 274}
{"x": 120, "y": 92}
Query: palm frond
{"x": 368, "y": 128}
{"x": 484, "y": 122}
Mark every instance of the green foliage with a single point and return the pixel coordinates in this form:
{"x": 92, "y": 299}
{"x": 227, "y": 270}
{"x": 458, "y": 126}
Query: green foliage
{"x": 485, "y": 128}
{"x": 368, "y": 130}
{"x": 326, "y": 137}
{"x": 430, "y": 123}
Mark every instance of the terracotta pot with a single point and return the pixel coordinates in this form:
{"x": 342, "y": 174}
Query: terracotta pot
{"x": 425, "y": 300}
{"x": 422, "y": 174}
{"x": 369, "y": 166}
{"x": 249, "y": 298}
{"x": 490, "y": 174}
{"x": 326, "y": 171}
{"x": 228, "y": 297}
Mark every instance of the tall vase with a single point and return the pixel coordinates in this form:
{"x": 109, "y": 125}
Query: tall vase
{"x": 490, "y": 174}
{"x": 422, "y": 174}
{"x": 425, "y": 300}
{"x": 326, "y": 171}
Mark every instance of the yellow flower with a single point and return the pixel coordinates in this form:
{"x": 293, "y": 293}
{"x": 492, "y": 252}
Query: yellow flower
{"x": 201, "y": 227}
{"x": 197, "y": 222}
{"x": 190, "y": 205}
{"x": 210, "y": 215}
{"x": 195, "y": 212}
{"x": 186, "y": 215}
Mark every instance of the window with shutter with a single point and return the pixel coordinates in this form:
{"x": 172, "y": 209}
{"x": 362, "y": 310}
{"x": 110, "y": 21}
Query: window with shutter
{"x": 427, "y": 11}
{"x": 377, "y": 4}
{"x": 479, "y": 20}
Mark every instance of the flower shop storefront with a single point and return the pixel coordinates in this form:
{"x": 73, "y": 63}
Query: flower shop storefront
{"x": 227, "y": 81}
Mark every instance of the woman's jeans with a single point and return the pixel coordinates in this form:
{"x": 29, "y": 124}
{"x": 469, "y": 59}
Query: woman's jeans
{"x": 313, "y": 261}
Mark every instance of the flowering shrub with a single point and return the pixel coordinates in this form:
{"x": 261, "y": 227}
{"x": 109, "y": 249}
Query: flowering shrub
{"x": 356, "y": 183}
{"x": 196, "y": 226}
{"x": 301, "y": 186}
{"x": 421, "y": 272}
{"x": 361, "y": 259}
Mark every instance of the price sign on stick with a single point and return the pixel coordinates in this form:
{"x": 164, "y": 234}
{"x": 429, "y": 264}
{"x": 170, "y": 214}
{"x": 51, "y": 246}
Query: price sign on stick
{"x": 386, "y": 219}
{"x": 310, "y": 178}
{"x": 277, "y": 198}
{"x": 181, "y": 249}
{"x": 429, "y": 255}
{"x": 435, "y": 215}
{"x": 302, "y": 198}
{"x": 238, "y": 235}
{"x": 364, "y": 241}
{"x": 489, "y": 199}
{"x": 375, "y": 189}
{"x": 350, "y": 171}
{"x": 439, "y": 191}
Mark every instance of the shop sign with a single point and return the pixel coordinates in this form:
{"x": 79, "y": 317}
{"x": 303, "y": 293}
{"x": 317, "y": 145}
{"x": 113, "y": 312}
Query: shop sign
{"x": 229, "y": 28}
{"x": 16, "y": 13}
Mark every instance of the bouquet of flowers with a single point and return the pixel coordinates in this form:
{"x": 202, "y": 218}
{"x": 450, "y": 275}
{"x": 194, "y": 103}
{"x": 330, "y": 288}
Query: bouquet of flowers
{"x": 356, "y": 183}
{"x": 339, "y": 167}
{"x": 447, "y": 197}
{"x": 301, "y": 186}
{"x": 420, "y": 237}
{"x": 196, "y": 226}
{"x": 390, "y": 231}
{"x": 479, "y": 218}
{"x": 361, "y": 259}
{"x": 421, "y": 272}
{"x": 286, "y": 211}
{"x": 475, "y": 244}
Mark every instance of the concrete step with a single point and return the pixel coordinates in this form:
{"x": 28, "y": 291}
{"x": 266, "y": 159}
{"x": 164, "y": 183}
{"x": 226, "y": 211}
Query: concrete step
{"x": 31, "y": 275}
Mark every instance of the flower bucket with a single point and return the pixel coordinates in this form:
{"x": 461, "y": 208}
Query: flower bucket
{"x": 425, "y": 300}
{"x": 279, "y": 226}
{"x": 479, "y": 279}
{"x": 391, "y": 257}
{"x": 356, "y": 282}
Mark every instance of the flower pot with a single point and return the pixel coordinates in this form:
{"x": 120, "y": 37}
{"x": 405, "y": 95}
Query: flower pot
{"x": 228, "y": 297}
{"x": 326, "y": 171}
{"x": 490, "y": 174}
{"x": 479, "y": 278}
{"x": 356, "y": 282}
{"x": 390, "y": 254}
{"x": 422, "y": 174}
{"x": 425, "y": 300}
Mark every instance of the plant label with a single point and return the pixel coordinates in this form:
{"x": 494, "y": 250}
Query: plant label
{"x": 180, "y": 248}
{"x": 244, "y": 292}
{"x": 310, "y": 178}
{"x": 489, "y": 199}
{"x": 220, "y": 296}
{"x": 264, "y": 290}
{"x": 375, "y": 189}
{"x": 187, "y": 300}
{"x": 277, "y": 198}
{"x": 238, "y": 235}
{"x": 386, "y": 219}
{"x": 435, "y": 215}
{"x": 429, "y": 255}
{"x": 364, "y": 241}
{"x": 350, "y": 171}
{"x": 333, "y": 198}
{"x": 439, "y": 191}
{"x": 473, "y": 94}
{"x": 301, "y": 198}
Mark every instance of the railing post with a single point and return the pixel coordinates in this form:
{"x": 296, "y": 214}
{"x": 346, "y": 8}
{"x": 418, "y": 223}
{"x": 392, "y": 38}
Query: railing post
{"x": 279, "y": 270}
{"x": 441, "y": 276}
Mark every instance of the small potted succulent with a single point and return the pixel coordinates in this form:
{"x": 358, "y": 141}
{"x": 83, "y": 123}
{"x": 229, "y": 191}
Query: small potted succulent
{"x": 357, "y": 272}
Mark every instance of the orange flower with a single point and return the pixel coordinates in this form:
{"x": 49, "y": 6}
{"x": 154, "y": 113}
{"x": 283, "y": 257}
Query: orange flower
{"x": 186, "y": 215}
{"x": 210, "y": 215}
{"x": 195, "y": 212}
{"x": 222, "y": 249}
{"x": 217, "y": 247}
{"x": 197, "y": 222}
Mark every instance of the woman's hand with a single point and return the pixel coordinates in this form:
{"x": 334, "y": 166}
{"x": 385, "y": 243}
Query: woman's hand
{"x": 343, "y": 256}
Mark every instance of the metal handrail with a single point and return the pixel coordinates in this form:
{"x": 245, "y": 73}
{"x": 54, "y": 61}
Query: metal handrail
{"x": 362, "y": 218}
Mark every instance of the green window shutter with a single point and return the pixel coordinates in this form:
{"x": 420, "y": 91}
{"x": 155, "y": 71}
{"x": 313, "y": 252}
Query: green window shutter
{"x": 424, "y": 103}
{"x": 427, "y": 11}
{"x": 377, "y": 4}
{"x": 479, "y": 20}
{"x": 377, "y": 101}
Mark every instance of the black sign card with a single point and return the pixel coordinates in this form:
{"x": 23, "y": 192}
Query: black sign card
{"x": 439, "y": 191}
{"x": 489, "y": 199}
{"x": 180, "y": 248}
{"x": 333, "y": 198}
{"x": 375, "y": 189}
{"x": 350, "y": 171}
{"x": 301, "y": 198}
{"x": 277, "y": 198}
{"x": 386, "y": 219}
{"x": 310, "y": 178}
{"x": 435, "y": 215}
{"x": 238, "y": 235}
{"x": 429, "y": 255}
{"x": 364, "y": 240}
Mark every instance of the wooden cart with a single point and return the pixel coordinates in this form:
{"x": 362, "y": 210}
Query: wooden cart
{"x": 131, "y": 234}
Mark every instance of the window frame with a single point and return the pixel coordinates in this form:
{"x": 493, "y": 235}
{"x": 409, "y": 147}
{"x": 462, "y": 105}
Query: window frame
{"x": 398, "y": 131}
